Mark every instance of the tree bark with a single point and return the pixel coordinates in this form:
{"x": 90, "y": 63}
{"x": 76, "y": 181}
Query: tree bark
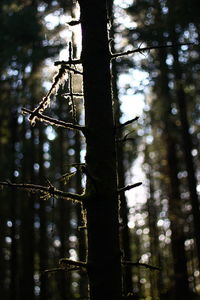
{"x": 104, "y": 266}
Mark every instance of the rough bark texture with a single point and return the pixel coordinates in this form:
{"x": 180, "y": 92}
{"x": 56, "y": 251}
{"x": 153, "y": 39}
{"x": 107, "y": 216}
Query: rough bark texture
{"x": 102, "y": 206}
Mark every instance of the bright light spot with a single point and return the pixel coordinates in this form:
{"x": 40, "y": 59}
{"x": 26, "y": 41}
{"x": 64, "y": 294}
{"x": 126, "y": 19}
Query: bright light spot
{"x": 168, "y": 232}
{"x": 189, "y": 242}
{"x": 57, "y": 243}
{"x": 161, "y": 237}
{"x": 9, "y": 223}
{"x": 16, "y": 173}
{"x": 47, "y": 164}
{"x": 139, "y": 231}
{"x": 160, "y": 223}
{"x": 37, "y": 290}
{"x": 37, "y": 224}
{"x": 131, "y": 224}
{"x": 143, "y": 281}
{"x": 36, "y": 167}
{"x": 75, "y": 284}
{"x": 196, "y": 273}
{"x": 123, "y": 4}
{"x": 20, "y": 119}
{"x": 73, "y": 254}
{"x": 46, "y": 147}
{"x": 144, "y": 258}
{"x": 71, "y": 152}
{"x": 8, "y": 240}
{"x": 146, "y": 230}
{"x": 73, "y": 238}
{"x": 167, "y": 240}
{"x": 50, "y": 132}
{"x": 194, "y": 152}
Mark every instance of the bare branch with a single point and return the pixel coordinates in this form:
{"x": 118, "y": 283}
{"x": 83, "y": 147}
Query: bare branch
{"x": 73, "y": 70}
{"x": 74, "y": 22}
{"x": 48, "y": 190}
{"x": 74, "y": 94}
{"x": 113, "y": 56}
{"x": 65, "y": 262}
{"x": 45, "y": 102}
{"x": 69, "y": 62}
{"x": 53, "y": 121}
{"x": 120, "y": 126}
{"x": 54, "y": 270}
{"x": 129, "y": 187}
{"x": 138, "y": 264}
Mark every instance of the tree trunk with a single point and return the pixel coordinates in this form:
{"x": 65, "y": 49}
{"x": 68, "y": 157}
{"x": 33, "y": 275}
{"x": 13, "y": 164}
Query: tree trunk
{"x": 104, "y": 266}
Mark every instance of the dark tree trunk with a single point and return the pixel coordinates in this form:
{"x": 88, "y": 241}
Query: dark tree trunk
{"x": 27, "y": 223}
{"x": 104, "y": 267}
{"x": 43, "y": 242}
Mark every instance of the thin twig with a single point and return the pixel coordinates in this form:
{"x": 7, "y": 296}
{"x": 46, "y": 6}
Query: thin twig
{"x": 138, "y": 264}
{"x": 44, "y": 189}
{"x": 120, "y": 126}
{"x": 74, "y": 22}
{"x": 54, "y": 270}
{"x": 60, "y": 269}
{"x": 72, "y": 70}
{"x": 53, "y": 121}
{"x": 129, "y": 187}
{"x": 68, "y": 262}
{"x": 113, "y": 56}
{"x": 46, "y": 100}
{"x": 74, "y": 94}
{"x": 68, "y": 62}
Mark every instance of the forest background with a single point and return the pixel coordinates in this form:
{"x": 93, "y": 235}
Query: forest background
{"x": 159, "y": 221}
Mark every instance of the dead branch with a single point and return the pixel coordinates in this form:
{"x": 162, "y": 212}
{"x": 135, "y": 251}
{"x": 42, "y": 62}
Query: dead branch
{"x": 128, "y": 187}
{"x": 45, "y": 102}
{"x": 115, "y": 55}
{"x": 120, "y": 126}
{"x": 65, "y": 262}
{"x": 74, "y": 22}
{"x": 138, "y": 264}
{"x": 68, "y": 62}
{"x": 74, "y": 94}
{"x": 53, "y": 121}
{"x": 47, "y": 190}
{"x": 73, "y": 70}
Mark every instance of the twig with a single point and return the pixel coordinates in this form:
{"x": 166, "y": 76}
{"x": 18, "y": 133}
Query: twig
{"x": 68, "y": 62}
{"x": 138, "y": 264}
{"x": 60, "y": 269}
{"x": 68, "y": 262}
{"x": 50, "y": 190}
{"x": 74, "y": 22}
{"x": 54, "y": 270}
{"x": 58, "y": 78}
{"x": 120, "y": 126}
{"x": 72, "y": 70}
{"x": 74, "y": 94}
{"x": 113, "y": 56}
{"x": 129, "y": 187}
{"x": 53, "y": 121}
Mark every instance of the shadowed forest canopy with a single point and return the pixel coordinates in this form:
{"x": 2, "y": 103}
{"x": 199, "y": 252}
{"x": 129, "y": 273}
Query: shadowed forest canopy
{"x": 99, "y": 149}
